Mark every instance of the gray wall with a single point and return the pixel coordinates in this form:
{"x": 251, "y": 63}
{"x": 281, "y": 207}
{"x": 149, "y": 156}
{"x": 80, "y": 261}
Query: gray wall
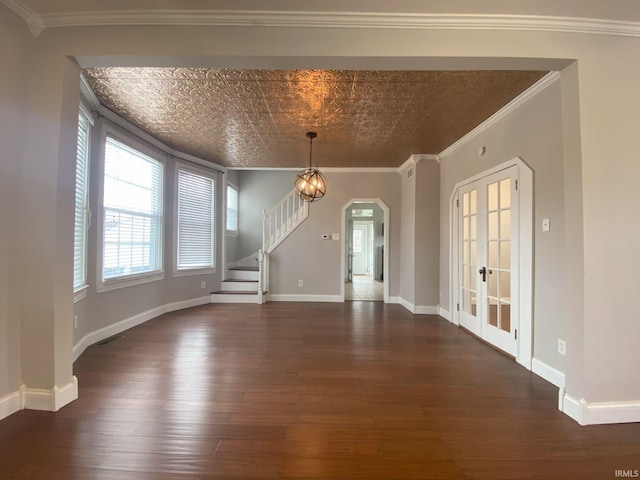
{"x": 427, "y": 234}
{"x": 259, "y": 190}
{"x": 14, "y": 51}
{"x": 231, "y": 245}
{"x": 99, "y": 310}
{"x": 534, "y": 133}
{"x": 408, "y": 234}
{"x": 304, "y": 255}
{"x": 600, "y": 155}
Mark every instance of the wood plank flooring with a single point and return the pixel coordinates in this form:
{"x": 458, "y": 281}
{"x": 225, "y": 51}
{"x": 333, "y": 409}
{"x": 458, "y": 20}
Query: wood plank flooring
{"x": 359, "y": 390}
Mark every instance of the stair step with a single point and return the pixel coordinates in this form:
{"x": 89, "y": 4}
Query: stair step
{"x": 224, "y": 296}
{"x": 243, "y": 273}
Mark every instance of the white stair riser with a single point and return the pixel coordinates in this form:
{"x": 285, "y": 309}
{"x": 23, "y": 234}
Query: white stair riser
{"x": 231, "y": 298}
{"x": 243, "y": 275}
{"x": 239, "y": 286}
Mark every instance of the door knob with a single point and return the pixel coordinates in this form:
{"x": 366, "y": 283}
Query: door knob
{"x": 483, "y": 272}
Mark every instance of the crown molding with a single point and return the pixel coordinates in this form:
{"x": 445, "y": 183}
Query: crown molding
{"x": 516, "y": 103}
{"x": 263, "y": 18}
{"x": 34, "y": 22}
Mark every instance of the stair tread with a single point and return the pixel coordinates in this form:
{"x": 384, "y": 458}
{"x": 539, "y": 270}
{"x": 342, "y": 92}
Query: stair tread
{"x": 239, "y": 280}
{"x": 245, "y": 269}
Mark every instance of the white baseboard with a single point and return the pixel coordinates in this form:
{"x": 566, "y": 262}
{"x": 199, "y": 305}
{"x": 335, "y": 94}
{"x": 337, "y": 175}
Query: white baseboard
{"x": 282, "y": 297}
{"x": 444, "y": 313}
{"x": 51, "y": 400}
{"x": 135, "y": 320}
{"x": 416, "y": 309}
{"x": 395, "y": 300}
{"x": 598, "y": 413}
{"x": 248, "y": 261}
{"x": 12, "y": 403}
{"x": 550, "y": 374}
{"x": 194, "y": 302}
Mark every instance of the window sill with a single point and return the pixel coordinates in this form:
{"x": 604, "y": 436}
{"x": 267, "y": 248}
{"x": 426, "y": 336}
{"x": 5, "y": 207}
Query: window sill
{"x": 231, "y": 233}
{"x": 80, "y": 293}
{"x": 124, "y": 282}
{"x": 193, "y": 271}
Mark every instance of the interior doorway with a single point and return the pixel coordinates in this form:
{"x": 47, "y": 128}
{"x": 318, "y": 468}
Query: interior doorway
{"x": 364, "y": 251}
{"x": 492, "y": 257}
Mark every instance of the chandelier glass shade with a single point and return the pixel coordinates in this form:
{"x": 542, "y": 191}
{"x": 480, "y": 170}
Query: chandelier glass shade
{"x": 310, "y": 183}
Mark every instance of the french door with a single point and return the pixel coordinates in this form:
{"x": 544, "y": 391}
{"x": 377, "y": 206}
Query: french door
{"x": 488, "y": 258}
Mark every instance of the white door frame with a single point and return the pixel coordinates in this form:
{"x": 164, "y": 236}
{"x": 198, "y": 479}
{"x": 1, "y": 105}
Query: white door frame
{"x": 525, "y": 311}
{"x": 343, "y": 252}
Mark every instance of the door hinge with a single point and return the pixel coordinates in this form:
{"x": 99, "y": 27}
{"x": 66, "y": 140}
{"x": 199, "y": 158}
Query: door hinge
{"x": 457, "y": 202}
{"x": 516, "y": 184}
{"x": 516, "y": 333}
{"x": 458, "y": 306}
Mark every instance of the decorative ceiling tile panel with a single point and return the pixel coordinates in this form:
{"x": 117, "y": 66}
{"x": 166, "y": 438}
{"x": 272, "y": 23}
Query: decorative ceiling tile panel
{"x": 258, "y": 118}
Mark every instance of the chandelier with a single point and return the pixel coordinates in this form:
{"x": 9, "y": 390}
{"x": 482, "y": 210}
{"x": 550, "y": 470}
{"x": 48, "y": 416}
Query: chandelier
{"x": 310, "y": 183}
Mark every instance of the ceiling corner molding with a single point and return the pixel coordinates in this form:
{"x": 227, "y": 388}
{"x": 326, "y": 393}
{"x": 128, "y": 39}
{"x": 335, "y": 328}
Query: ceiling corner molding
{"x": 261, "y": 18}
{"x": 516, "y": 103}
{"x": 34, "y": 22}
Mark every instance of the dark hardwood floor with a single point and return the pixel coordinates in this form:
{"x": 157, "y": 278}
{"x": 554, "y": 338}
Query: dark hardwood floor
{"x": 307, "y": 391}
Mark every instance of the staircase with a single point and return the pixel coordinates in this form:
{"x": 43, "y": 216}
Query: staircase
{"x": 240, "y": 286}
{"x": 250, "y": 284}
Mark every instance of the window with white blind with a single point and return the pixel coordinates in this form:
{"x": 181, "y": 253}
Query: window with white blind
{"x": 232, "y": 209}
{"x": 82, "y": 212}
{"x": 195, "y": 248}
{"x": 133, "y": 213}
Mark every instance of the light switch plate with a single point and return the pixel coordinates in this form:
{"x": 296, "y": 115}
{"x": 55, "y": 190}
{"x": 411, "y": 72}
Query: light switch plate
{"x": 545, "y": 225}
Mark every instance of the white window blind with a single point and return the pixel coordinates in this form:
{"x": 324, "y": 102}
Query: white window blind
{"x": 196, "y": 201}
{"x": 133, "y": 213}
{"x": 82, "y": 211}
{"x": 232, "y": 209}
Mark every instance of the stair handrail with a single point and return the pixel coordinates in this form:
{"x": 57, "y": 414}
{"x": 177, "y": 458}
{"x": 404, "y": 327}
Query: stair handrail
{"x": 282, "y": 219}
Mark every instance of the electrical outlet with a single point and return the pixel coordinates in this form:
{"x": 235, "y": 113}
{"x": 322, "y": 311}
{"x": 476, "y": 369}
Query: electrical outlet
{"x": 562, "y": 347}
{"x": 301, "y": 283}
{"x": 75, "y": 321}
{"x": 203, "y": 284}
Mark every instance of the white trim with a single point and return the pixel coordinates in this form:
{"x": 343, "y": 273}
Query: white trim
{"x": 526, "y": 235}
{"x": 385, "y": 261}
{"x": 283, "y": 297}
{"x": 524, "y": 97}
{"x": 51, "y": 400}
{"x": 573, "y": 408}
{"x": 394, "y": 300}
{"x": 115, "y": 328}
{"x": 193, "y": 302}
{"x": 89, "y": 95}
{"x": 444, "y": 313}
{"x": 358, "y": 169}
{"x": 265, "y": 18}
{"x": 232, "y": 297}
{"x": 550, "y": 374}
{"x": 417, "y": 309}
{"x": 598, "y": 413}
{"x": 11, "y": 403}
{"x": 142, "y": 135}
{"x": 612, "y": 412}
{"x": 248, "y": 261}
{"x": 80, "y": 293}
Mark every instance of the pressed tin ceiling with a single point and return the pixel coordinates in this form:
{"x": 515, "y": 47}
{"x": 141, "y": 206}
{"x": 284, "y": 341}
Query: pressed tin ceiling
{"x": 258, "y": 118}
